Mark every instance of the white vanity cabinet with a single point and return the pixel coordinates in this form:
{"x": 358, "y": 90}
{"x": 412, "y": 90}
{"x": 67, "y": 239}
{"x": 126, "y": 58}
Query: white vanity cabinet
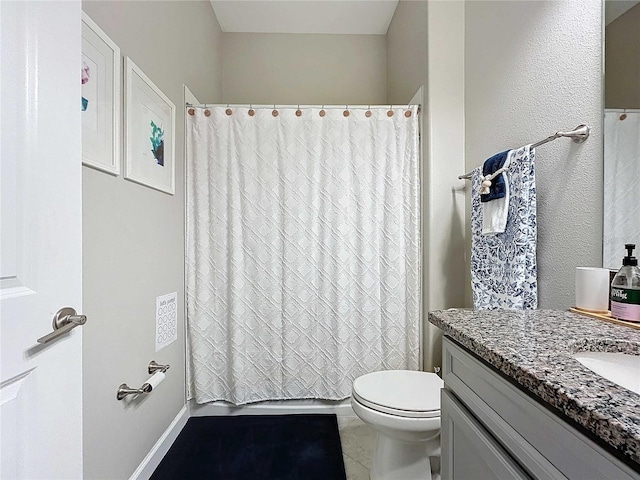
{"x": 491, "y": 429}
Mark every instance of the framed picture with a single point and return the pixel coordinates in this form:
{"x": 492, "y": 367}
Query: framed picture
{"x": 150, "y": 129}
{"x": 101, "y": 88}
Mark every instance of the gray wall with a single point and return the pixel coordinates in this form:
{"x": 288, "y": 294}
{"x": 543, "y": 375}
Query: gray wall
{"x": 406, "y": 39}
{"x": 532, "y": 68}
{"x": 511, "y": 92}
{"x": 425, "y": 47}
{"x": 266, "y": 68}
{"x": 134, "y": 245}
{"x": 622, "y": 64}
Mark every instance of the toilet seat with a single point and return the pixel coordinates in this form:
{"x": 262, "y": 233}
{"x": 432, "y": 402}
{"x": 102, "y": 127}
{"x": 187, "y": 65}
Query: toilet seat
{"x": 403, "y": 393}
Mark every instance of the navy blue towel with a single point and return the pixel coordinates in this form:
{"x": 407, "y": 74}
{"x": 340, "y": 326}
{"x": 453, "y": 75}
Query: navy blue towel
{"x": 497, "y": 189}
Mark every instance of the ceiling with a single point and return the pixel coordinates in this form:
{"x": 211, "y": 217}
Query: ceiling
{"x": 305, "y": 16}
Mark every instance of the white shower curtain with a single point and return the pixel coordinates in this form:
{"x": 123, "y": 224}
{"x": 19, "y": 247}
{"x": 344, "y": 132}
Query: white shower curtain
{"x": 621, "y": 180}
{"x": 303, "y": 250}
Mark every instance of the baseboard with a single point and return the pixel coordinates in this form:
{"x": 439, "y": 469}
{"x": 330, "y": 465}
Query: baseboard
{"x": 160, "y": 449}
{"x": 278, "y": 407}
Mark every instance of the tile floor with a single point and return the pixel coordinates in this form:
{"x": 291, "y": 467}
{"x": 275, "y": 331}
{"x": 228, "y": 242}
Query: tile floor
{"x": 358, "y": 442}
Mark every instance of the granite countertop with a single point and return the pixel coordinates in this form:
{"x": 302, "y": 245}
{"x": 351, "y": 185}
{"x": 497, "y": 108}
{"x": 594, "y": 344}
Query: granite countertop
{"x": 535, "y": 349}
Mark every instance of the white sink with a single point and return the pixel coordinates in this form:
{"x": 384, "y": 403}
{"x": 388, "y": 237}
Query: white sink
{"x": 619, "y": 368}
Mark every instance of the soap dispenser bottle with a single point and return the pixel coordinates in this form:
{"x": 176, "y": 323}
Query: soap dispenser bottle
{"x": 625, "y": 289}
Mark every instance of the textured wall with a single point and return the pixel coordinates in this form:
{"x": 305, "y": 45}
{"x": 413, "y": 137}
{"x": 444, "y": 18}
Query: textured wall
{"x": 265, "y": 68}
{"x": 532, "y": 68}
{"x": 622, "y": 61}
{"x": 425, "y": 46}
{"x": 134, "y": 244}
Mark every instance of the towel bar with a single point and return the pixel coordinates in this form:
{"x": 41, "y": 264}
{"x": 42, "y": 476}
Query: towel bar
{"x": 578, "y": 134}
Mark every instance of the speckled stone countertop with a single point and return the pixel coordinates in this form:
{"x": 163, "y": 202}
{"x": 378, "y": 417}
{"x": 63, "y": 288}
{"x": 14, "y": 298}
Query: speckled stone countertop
{"x": 535, "y": 349}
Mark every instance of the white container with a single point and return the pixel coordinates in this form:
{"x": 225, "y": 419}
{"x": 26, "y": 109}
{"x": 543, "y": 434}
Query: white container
{"x": 592, "y": 289}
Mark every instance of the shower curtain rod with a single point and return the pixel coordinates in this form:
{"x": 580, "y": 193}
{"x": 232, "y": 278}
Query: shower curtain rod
{"x": 579, "y": 135}
{"x": 285, "y": 107}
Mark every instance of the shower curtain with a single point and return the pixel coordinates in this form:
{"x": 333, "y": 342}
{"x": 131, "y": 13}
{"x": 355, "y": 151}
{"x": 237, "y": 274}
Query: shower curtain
{"x": 303, "y": 249}
{"x": 621, "y": 191}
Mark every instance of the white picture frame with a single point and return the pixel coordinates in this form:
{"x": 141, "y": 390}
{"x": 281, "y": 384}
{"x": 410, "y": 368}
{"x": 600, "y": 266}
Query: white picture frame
{"x": 101, "y": 99}
{"x": 150, "y": 130}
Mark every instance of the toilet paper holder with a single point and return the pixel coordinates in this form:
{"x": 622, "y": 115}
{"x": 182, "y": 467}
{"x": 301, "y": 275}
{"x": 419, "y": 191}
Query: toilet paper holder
{"x": 147, "y": 387}
{"x": 154, "y": 367}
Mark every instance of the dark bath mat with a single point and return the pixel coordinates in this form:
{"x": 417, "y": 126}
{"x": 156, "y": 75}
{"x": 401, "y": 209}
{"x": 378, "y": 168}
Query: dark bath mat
{"x": 256, "y": 447}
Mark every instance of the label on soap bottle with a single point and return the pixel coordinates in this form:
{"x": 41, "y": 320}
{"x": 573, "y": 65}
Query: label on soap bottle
{"x": 625, "y": 304}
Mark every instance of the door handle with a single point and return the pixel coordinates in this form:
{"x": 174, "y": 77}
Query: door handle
{"x": 64, "y": 320}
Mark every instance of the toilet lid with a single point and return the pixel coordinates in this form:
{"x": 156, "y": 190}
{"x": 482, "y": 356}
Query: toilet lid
{"x": 400, "y": 392}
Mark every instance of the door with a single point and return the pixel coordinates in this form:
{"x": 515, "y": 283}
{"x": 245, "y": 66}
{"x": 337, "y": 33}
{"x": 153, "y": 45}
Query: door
{"x": 40, "y": 242}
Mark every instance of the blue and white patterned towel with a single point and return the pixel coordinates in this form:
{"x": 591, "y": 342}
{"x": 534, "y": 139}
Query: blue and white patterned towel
{"x": 503, "y": 265}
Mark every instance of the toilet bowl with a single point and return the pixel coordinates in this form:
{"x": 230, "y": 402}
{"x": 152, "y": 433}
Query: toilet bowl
{"x": 404, "y": 408}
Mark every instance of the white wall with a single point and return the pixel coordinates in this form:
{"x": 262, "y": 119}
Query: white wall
{"x": 133, "y": 242}
{"x": 266, "y": 68}
{"x": 532, "y": 68}
{"x": 425, "y": 45}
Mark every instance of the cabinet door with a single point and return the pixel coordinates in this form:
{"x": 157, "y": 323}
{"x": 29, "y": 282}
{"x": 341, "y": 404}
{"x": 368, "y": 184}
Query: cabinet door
{"x": 468, "y": 450}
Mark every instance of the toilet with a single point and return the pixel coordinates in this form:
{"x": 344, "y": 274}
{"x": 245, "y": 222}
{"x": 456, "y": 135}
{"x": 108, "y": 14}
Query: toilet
{"x": 404, "y": 408}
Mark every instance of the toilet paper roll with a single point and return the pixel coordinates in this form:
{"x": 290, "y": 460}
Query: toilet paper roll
{"x": 155, "y": 380}
{"x": 592, "y": 289}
